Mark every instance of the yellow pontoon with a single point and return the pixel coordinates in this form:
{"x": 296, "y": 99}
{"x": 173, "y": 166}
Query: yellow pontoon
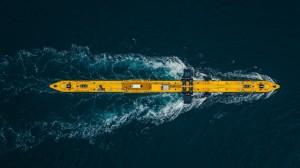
{"x": 186, "y": 85}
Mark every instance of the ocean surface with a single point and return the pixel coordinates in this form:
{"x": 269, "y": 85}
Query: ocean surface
{"x": 42, "y": 42}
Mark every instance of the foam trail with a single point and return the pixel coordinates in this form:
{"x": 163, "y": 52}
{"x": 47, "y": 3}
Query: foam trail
{"x": 25, "y": 79}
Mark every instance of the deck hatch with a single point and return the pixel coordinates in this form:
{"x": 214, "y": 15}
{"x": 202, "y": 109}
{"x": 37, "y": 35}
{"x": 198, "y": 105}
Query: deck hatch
{"x": 246, "y": 86}
{"x": 84, "y": 86}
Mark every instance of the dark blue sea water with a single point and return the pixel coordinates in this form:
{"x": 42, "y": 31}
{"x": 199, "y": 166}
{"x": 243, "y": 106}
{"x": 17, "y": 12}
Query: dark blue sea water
{"x": 42, "y": 42}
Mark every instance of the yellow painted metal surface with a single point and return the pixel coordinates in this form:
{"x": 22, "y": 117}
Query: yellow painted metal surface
{"x": 172, "y": 86}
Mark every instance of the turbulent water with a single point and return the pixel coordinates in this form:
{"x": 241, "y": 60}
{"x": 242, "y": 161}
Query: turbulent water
{"x": 25, "y": 92}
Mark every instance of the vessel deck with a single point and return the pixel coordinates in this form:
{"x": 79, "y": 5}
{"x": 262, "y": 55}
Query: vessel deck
{"x": 171, "y": 86}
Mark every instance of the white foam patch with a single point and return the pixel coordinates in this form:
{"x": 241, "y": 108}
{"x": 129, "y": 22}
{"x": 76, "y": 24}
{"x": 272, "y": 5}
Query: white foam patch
{"x": 36, "y": 73}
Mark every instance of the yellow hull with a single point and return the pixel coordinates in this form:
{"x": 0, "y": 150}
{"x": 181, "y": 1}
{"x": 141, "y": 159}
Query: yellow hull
{"x": 172, "y": 86}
